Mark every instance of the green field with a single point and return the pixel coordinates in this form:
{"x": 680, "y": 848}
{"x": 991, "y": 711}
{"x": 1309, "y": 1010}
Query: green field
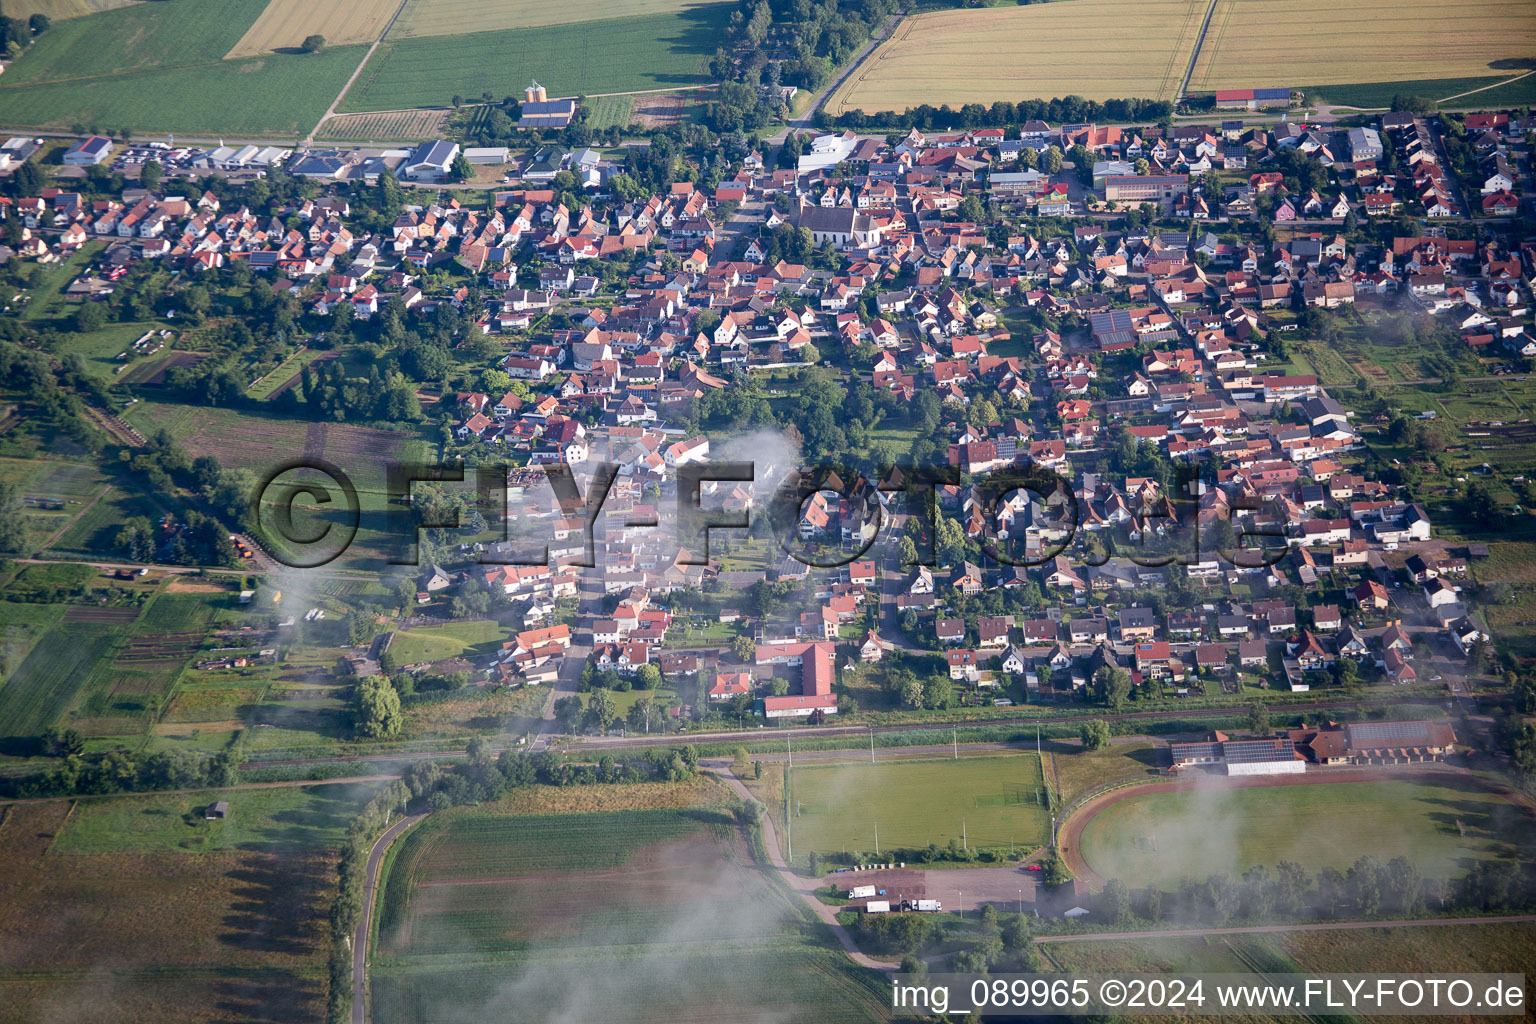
{"x": 997, "y": 801}
{"x": 263, "y": 820}
{"x": 168, "y": 33}
{"x": 610, "y": 111}
{"x": 58, "y": 667}
{"x": 617, "y": 55}
{"x": 1160, "y": 838}
{"x": 653, "y": 915}
{"x": 279, "y": 95}
{"x": 1381, "y": 94}
{"x": 436, "y": 643}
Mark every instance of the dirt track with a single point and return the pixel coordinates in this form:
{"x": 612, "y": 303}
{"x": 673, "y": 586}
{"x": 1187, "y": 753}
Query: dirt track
{"x": 1069, "y": 839}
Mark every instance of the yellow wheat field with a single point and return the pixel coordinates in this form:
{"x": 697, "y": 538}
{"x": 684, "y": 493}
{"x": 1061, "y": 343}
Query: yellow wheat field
{"x": 454, "y": 17}
{"x": 59, "y": 10}
{"x": 1098, "y": 49}
{"x": 1296, "y": 43}
{"x": 285, "y": 23}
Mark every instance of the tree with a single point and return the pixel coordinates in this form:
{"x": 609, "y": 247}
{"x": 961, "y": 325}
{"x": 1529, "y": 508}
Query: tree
{"x": 639, "y": 715}
{"x": 1095, "y": 734}
{"x": 150, "y": 174}
{"x": 647, "y": 677}
{"x": 461, "y": 168}
{"x": 1258, "y": 718}
{"x": 39, "y": 24}
{"x": 744, "y": 648}
{"x": 1115, "y": 901}
{"x": 568, "y": 713}
{"x": 91, "y": 316}
{"x": 377, "y": 708}
{"x": 13, "y": 523}
{"x": 1111, "y": 685}
{"x": 313, "y": 44}
{"x": 600, "y": 713}
{"x": 1053, "y": 159}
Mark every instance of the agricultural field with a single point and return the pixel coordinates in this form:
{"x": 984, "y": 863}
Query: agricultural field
{"x": 277, "y": 96}
{"x": 58, "y": 668}
{"x": 661, "y": 913}
{"x": 451, "y": 17}
{"x": 175, "y": 930}
{"x": 997, "y": 801}
{"x": 387, "y": 126}
{"x": 142, "y": 37}
{"x": 1440, "y": 824}
{"x": 1484, "y": 947}
{"x": 656, "y": 51}
{"x": 1256, "y": 43}
{"x": 610, "y": 111}
{"x": 1098, "y": 49}
{"x": 272, "y": 382}
{"x": 284, "y": 24}
{"x": 60, "y": 10}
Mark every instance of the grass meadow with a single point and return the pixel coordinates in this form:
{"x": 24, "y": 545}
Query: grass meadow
{"x": 1159, "y": 838}
{"x": 437, "y": 643}
{"x": 280, "y": 820}
{"x": 656, "y": 51}
{"x": 997, "y": 801}
{"x": 636, "y": 915}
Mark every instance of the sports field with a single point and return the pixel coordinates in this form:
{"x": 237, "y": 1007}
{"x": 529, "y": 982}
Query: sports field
{"x": 996, "y": 801}
{"x": 284, "y": 24}
{"x": 1438, "y": 823}
{"x": 644, "y": 915}
{"x": 1098, "y": 49}
{"x": 1258, "y": 43}
{"x": 656, "y": 51}
{"x": 450, "y": 17}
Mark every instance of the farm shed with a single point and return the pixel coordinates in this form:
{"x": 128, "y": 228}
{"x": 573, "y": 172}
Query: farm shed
{"x": 217, "y": 809}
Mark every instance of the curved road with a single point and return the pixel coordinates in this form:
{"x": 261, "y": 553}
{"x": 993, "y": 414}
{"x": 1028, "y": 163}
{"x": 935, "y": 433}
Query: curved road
{"x": 365, "y": 919}
{"x": 806, "y": 887}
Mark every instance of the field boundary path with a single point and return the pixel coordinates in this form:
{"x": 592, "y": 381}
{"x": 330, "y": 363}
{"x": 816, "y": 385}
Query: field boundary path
{"x": 1189, "y": 72}
{"x": 72, "y": 520}
{"x": 806, "y": 887}
{"x": 331, "y": 110}
{"x": 365, "y": 919}
{"x": 1485, "y": 88}
{"x": 1265, "y": 929}
{"x": 868, "y": 48}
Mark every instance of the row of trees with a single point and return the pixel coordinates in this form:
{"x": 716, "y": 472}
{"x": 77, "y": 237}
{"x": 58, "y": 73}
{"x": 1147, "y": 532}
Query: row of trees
{"x": 1367, "y": 888}
{"x": 1003, "y": 114}
{"x": 120, "y": 771}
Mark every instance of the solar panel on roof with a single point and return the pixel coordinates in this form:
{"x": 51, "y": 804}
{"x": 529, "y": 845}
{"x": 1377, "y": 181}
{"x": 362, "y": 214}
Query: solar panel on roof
{"x": 1375, "y": 732}
{"x": 1253, "y": 751}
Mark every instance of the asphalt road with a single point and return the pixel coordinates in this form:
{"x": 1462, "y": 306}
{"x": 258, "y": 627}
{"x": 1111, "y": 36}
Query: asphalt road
{"x": 365, "y": 919}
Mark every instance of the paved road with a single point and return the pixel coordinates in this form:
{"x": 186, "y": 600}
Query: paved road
{"x": 1189, "y": 71}
{"x": 1264, "y": 929}
{"x": 806, "y": 119}
{"x": 355, "y": 72}
{"x": 806, "y": 887}
{"x": 365, "y": 919}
